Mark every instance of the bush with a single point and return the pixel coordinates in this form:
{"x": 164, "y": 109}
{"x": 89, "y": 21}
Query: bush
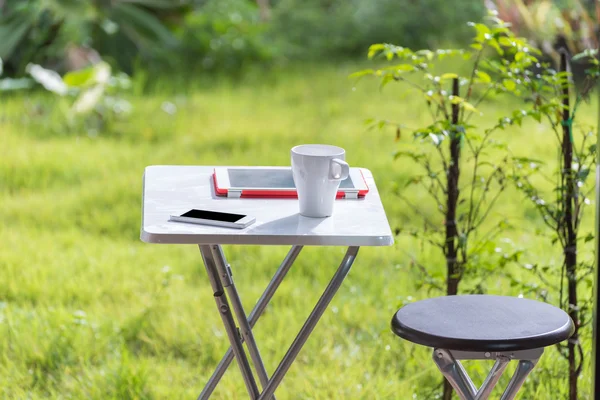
{"x": 217, "y": 35}
{"x": 223, "y": 35}
{"x": 312, "y": 28}
{"x": 66, "y": 34}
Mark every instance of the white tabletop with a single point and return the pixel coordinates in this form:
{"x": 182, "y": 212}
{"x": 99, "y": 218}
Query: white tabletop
{"x": 173, "y": 190}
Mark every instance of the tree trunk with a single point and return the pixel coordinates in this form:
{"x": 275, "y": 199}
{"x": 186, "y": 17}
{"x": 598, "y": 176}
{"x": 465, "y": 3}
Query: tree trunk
{"x": 451, "y": 248}
{"x": 570, "y": 252}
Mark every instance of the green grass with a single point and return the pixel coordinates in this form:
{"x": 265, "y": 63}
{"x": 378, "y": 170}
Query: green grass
{"x": 89, "y": 311}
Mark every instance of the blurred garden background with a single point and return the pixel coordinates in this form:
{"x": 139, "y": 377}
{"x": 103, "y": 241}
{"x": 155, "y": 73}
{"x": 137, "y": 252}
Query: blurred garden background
{"x": 91, "y": 92}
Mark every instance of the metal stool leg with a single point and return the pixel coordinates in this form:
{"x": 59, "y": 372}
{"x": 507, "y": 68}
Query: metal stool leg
{"x": 448, "y": 363}
{"x": 455, "y": 373}
{"x": 523, "y": 369}
{"x": 493, "y": 377}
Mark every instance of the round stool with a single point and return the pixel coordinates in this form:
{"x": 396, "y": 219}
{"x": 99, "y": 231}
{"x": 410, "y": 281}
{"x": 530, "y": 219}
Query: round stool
{"x": 483, "y": 327}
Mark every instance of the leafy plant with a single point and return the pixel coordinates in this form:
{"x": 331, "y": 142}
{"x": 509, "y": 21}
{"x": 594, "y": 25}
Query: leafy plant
{"x": 465, "y": 169}
{"x": 551, "y": 25}
{"x": 64, "y": 34}
{"x": 316, "y": 28}
{"x": 9, "y": 84}
{"x": 224, "y": 36}
{"x": 92, "y": 94}
{"x": 562, "y": 208}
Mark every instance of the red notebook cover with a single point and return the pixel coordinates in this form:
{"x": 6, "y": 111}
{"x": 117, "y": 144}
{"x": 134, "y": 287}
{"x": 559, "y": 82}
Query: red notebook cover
{"x": 279, "y": 193}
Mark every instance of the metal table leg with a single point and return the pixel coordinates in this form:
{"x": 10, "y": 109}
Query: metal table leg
{"x": 252, "y": 318}
{"x": 310, "y": 323}
{"x": 228, "y": 321}
{"x": 245, "y": 328}
{"x": 218, "y": 264}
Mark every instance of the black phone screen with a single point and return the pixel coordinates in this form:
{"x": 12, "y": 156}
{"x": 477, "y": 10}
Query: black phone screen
{"x": 213, "y": 215}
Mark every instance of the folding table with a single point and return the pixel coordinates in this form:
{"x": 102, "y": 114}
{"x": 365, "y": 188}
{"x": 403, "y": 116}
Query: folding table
{"x": 176, "y": 189}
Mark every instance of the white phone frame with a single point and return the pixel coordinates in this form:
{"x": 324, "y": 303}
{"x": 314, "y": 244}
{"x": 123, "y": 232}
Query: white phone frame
{"x": 222, "y": 177}
{"x": 246, "y": 221}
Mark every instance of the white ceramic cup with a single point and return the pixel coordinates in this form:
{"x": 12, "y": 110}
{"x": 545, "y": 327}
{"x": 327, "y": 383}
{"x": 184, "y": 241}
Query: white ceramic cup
{"x": 318, "y": 170}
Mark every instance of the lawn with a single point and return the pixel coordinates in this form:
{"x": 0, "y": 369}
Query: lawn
{"x": 89, "y": 311}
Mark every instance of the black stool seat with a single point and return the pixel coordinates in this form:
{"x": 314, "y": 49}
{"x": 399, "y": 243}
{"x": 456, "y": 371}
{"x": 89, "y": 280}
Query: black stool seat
{"x": 482, "y": 323}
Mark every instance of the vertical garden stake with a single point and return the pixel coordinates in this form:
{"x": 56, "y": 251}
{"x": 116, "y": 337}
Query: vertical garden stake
{"x": 569, "y": 199}
{"x": 595, "y": 358}
{"x": 452, "y": 176}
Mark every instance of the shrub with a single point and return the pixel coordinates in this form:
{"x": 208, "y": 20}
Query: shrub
{"x": 222, "y": 35}
{"x": 63, "y": 34}
{"x": 348, "y": 27}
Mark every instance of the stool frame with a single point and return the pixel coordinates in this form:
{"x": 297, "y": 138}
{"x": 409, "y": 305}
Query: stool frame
{"x": 448, "y": 362}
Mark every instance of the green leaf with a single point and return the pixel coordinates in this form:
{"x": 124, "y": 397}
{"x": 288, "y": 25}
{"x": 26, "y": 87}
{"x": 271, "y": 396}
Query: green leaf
{"x": 482, "y": 30}
{"x": 166, "y": 4}
{"x": 495, "y": 45}
{"x": 80, "y": 78}
{"x": 519, "y": 56}
{"x": 528, "y": 160}
{"x": 409, "y": 154}
{"x": 401, "y": 68}
{"x": 428, "y": 54}
{"x": 583, "y": 174}
{"x": 468, "y": 106}
{"x": 588, "y": 53}
{"x": 13, "y": 29}
{"x": 483, "y": 77}
{"x": 449, "y": 75}
{"x": 506, "y": 42}
{"x": 509, "y": 85}
{"x": 375, "y": 48}
{"x": 386, "y": 79}
{"x": 141, "y": 26}
{"x": 360, "y": 74}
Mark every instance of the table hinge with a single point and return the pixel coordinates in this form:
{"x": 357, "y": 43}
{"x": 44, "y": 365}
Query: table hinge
{"x": 234, "y": 193}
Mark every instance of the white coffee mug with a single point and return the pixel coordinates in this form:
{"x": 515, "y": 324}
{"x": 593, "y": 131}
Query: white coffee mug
{"x": 318, "y": 170}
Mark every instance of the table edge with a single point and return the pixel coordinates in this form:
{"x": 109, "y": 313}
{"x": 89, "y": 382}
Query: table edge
{"x": 266, "y": 240}
{"x": 273, "y": 240}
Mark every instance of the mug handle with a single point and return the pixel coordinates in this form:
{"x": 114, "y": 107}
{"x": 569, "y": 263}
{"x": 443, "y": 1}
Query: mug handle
{"x": 345, "y": 170}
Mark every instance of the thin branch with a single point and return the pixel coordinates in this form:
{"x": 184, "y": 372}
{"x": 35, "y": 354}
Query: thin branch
{"x": 442, "y": 157}
{"x": 471, "y": 81}
{"x": 418, "y": 211}
{"x": 423, "y": 270}
{"x": 478, "y": 102}
{"x": 421, "y": 89}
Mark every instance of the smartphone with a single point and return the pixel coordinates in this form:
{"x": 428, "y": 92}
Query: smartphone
{"x": 205, "y": 217}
